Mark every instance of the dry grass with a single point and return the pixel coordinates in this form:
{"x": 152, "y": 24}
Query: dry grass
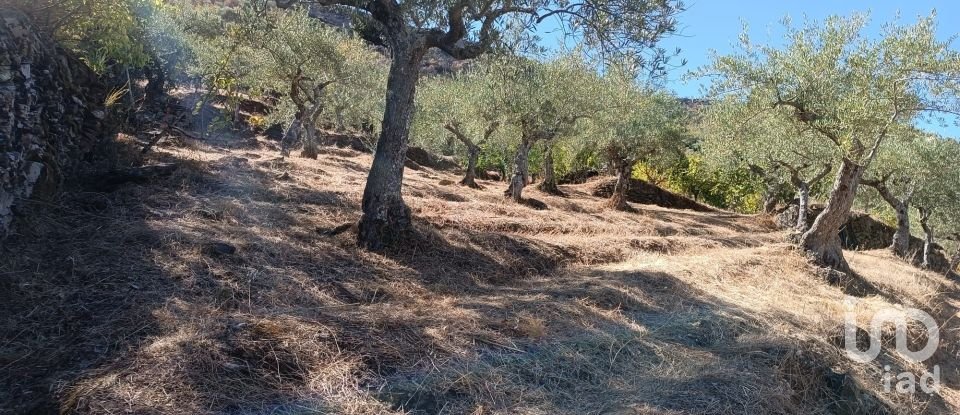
{"x": 118, "y": 303}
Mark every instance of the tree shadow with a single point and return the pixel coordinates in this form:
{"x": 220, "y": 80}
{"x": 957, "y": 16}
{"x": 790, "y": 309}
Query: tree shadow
{"x": 114, "y": 305}
{"x": 623, "y": 341}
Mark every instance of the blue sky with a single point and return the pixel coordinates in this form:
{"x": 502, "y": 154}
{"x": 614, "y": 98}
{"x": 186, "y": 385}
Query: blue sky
{"x": 715, "y": 25}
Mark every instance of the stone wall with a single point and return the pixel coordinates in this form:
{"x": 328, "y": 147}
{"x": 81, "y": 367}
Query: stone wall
{"x": 51, "y": 114}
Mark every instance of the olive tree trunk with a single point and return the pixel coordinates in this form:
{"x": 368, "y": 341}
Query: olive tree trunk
{"x": 310, "y": 141}
{"x": 822, "y": 240}
{"x": 386, "y": 218}
{"x": 473, "y": 153}
{"x": 618, "y": 199}
{"x": 310, "y": 146}
{"x": 770, "y": 200}
{"x": 803, "y": 194}
{"x": 901, "y": 238}
{"x": 928, "y": 236}
{"x": 549, "y": 184}
{"x": 292, "y": 135}
{"x": 771, "y": 193}
{"x": 521, "y": 173}
{"x": 803, "y": 191}
{"x": 470, "y": 178}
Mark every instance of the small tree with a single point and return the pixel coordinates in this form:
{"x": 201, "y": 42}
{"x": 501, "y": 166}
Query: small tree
{"x": 896, "y": 177}
{"x": 465, "y": 107}
{"x": 937, "y": 190}
{"x": 545, "y": 101}
{"x": 850, "y": 92}
{"x": 638, "y": 126}
{"x": 303, "y": 71}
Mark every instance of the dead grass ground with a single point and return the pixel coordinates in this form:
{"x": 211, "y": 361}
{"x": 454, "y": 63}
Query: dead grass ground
{"x": 122, "y": 302}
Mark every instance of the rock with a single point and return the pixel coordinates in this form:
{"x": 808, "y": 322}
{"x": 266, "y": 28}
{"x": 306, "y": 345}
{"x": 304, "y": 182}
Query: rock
{"x": 52, "y": 104}
{"x": 423, "y": 158}
{"x": 489, "y": 175}
{"x": 645, "y": 193}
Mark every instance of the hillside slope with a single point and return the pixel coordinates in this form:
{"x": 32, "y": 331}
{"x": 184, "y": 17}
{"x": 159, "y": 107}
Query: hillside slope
{"x": 235, "y": 287}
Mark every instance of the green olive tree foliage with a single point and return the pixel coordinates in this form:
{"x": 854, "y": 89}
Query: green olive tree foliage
{"x": 638, "y": 125}
{"x": 464, "y": 107}
{"x": 937, "y": 190}
{"x": 119, "y": 39}
{"x": 849, "y": 91}
{"x": 357, "y": 101}
{"x": 769, "y": 145}
{"x": 312, "y": 67}
{"x": 467, "y": 29}
{"x": 545, "y": 102}
{"x": 898, "y": 172}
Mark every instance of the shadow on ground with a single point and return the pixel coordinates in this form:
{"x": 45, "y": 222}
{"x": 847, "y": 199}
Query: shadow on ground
{"x": 216, "y": 291}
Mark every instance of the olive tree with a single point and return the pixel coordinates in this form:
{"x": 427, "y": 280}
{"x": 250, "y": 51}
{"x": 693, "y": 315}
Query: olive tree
{"x": 849, "y": 91}
{"x": 356, "y": 102}
{"x": 771, "y": 146}
{"x": 467, "y": 29}
{"x": 937, "y": 190}
{"x": 898, "y": 173}
{"x": 465, "y": 107}
{"x": 638, "y": 125}
{"x": 302, "y": 72}
{"x": 545, "y": 101}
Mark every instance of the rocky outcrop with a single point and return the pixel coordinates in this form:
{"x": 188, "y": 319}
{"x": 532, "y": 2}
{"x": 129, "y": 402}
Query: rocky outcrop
{"x": 51, "y": 114}
{"x": 648, "y": 194}
{"x": 864, "y": 232}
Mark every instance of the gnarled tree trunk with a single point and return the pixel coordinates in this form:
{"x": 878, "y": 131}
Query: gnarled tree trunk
{"x": 928, "y": 236}
{"x": 822, "y": 240}
{"x": 770, "y": 200}
{"x": 901, "y": 238}
{"x": 386, "y": 218}
{"x": 521, "y": 166}
{"x": 310, "y": 146}
{"x": 618, "y": 200}
{"x": 470, "y": 178}
{"x": 292, "y": 135}
{"x": 473, "y": 152}
{"x": 803, "y": 194}
{"x": 310, "y": 141}
{"x": 803, "y": 191}
{"x": 772, "y": 190}
{"x": 549, "y": 184}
